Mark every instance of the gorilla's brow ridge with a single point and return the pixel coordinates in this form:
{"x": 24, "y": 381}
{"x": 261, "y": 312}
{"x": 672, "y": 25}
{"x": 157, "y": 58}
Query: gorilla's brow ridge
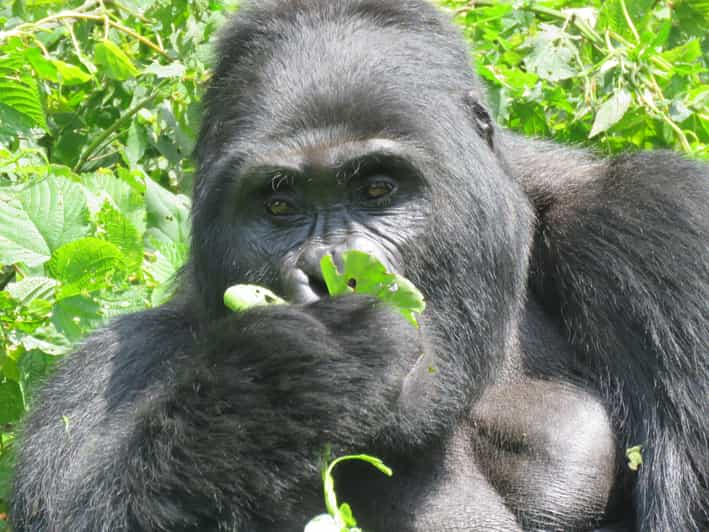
{"x": 344, "y": 161}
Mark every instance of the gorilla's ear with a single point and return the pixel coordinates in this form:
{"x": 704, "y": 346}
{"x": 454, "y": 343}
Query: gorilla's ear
{"x": 481, "y": 117}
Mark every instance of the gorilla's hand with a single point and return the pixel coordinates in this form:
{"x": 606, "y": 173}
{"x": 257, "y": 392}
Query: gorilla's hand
{"x": 324, "y": 371}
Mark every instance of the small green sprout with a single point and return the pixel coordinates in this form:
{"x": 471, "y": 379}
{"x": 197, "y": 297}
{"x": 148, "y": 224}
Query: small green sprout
{"x": 635, "y": 457}
{"x": 339, "y": 518}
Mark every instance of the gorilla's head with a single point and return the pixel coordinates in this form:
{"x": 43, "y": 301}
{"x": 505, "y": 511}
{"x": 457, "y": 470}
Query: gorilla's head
{"x": 358, "y": 124}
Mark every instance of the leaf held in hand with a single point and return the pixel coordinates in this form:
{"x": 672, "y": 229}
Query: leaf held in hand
{"x": 244, "y": 296}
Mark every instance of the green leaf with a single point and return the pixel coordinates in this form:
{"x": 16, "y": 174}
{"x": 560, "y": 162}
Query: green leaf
{"x": 58, "y": 209}
{"x": 364, "y": 274}
{"x": 611, "y": 112}
{"x": 20, "y": 91}
{"x": 20, "y": 240}
{"x": 551, "y": 56}
{"x": 44, "y": 68}
{"x": 46, "y": 339}
{"x": 335, "y": 282}
{"x": 611, "y": 17}
{"x": 117, "y": 303}
{"x": 69, "y": 74}
{"x": 244, "y": 296}
{"x": 55, "y": 70}
{"x": 116, "y": 229}
{"x": 125, "y": 197}
{"x": 31, "y": 288}
{"x": 168, "y": 213}
{"x": 12, "y": 405}
{"x": 113, "y": 61}
{"x": 75, "y": 316}
{"x": 172, "y": 70}
{"x": 86, "y": 265}
{"x": 635, "y": 457}
{"x": 13, "y": 122}
{"x": 686, "y": 53}
{"x": 136, "y": 144}
{"x": 162, "y": 264}
{"x": 346, "y": 515}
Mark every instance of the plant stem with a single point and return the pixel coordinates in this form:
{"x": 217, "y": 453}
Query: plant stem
{"x": 98, "y": 142}
{"x": 46, "y": 22}
{"x": 584, "y": 28}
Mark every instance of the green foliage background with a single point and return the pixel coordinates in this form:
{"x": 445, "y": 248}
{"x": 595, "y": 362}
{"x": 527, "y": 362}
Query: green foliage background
{"x": 99, "y": 109}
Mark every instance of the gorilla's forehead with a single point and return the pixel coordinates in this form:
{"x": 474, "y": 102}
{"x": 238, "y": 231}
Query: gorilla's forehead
{"x": 333, "y": 63}
{"x": 300, "y": 75}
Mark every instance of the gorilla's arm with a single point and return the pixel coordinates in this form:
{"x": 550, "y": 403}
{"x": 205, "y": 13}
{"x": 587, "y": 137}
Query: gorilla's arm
{"x": 622, "y": 258}
{"x": 172, "y": 428}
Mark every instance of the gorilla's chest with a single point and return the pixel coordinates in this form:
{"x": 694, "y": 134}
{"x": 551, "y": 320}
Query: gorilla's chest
{"x": 439, "y": 489}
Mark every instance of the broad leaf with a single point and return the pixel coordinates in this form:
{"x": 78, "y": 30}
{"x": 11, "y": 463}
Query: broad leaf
{"x": 19, "y": 90}
{"x": 86, "y": 265}
{"x": 12, "y": 405}
{"x": 58, "y": 209}
{"x": 113, "y": 61}
{"x": 31, "y": 288}
{"x": 76, "y": 316}
{"x": 611, "y": 112}
{"x": 115, "y": 228}
{"x": 70, "y": 74}
{"x": 362, "y": 273}
{"x": 552, "y": 55}
{"x": 161, "y": 265}
{"x": 105, "y": 186}
{"x": 168, "y": 213}
{"x": 20, "y": 240}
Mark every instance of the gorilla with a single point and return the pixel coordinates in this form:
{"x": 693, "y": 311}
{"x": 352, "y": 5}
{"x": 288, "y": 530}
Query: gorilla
{"x": 567, "y": 319}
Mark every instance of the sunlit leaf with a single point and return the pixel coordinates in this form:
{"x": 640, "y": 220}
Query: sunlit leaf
{"x": 610, "y": 113}
{"x": 364, "y": 274}
{"x": 19, "y": 91}
{"x": 70, "y": 74}
{"x": 58, "y": 210}
{"x": 85, "y": 266}
{"x": 20, "y": 240}
{"x": 113, "y": 61}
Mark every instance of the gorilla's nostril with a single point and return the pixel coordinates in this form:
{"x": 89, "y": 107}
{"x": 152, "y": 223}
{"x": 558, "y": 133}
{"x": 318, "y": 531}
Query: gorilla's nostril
{"x": 318, "y": 286}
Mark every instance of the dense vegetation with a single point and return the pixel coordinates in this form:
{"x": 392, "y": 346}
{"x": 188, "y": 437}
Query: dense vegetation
{"x": 99, "y": 108}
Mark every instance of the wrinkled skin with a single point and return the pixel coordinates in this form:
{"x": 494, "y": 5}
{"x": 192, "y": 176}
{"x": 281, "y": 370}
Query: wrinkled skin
{"x": 566, "y": 318}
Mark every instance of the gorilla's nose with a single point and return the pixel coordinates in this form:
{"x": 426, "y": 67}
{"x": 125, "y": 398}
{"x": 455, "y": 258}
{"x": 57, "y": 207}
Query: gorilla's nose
{"x": 299, "y": 287}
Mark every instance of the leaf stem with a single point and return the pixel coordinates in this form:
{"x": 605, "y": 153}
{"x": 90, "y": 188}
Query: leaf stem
{"x": 584, "y": 28}
{"x": 46, "y": 22}
{"x": 629, "y": 21}
{"x": 98, "y": 141}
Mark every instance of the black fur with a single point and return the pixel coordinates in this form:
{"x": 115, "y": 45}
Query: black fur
{"x": 567, "y": 317}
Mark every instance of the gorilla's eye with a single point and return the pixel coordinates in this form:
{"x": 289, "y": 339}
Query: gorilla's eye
{"x": 378, "y": 190}
{"x": 279, "y": 207}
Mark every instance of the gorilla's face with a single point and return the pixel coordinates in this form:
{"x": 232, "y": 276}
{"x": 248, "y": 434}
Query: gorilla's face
{"x": 288, "y": 208}
{"x": 342, "y": 135}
